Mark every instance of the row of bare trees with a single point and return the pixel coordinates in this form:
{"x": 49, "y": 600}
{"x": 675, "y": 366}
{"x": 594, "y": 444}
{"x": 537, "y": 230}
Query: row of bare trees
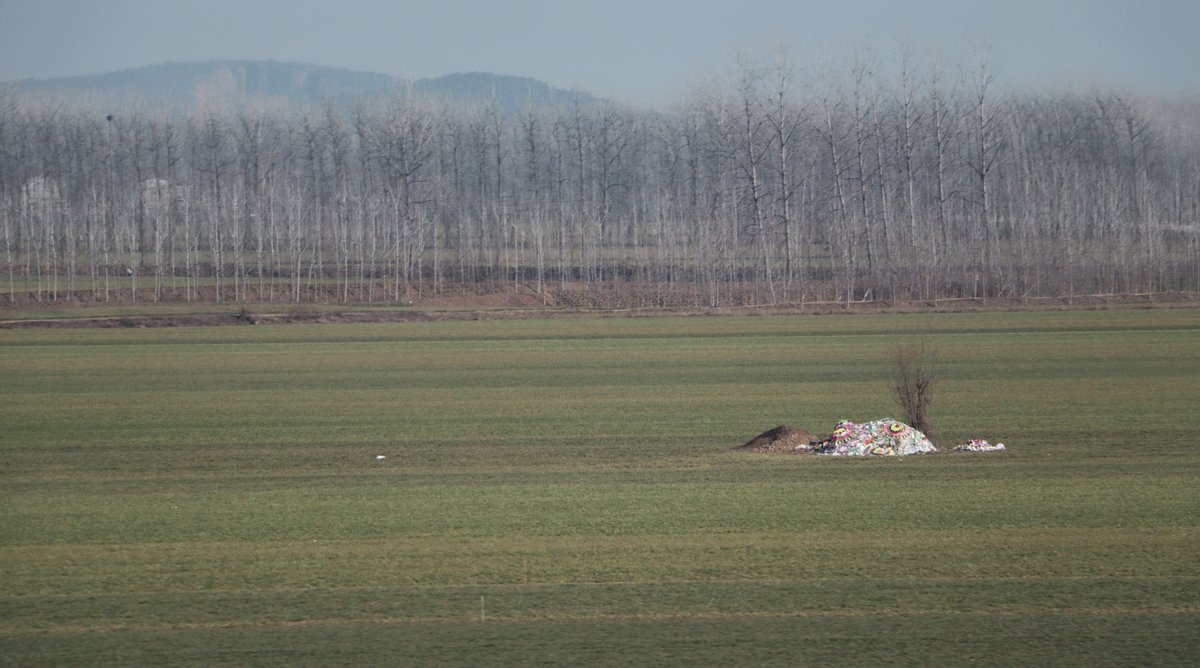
{"x": 768, "y": 188}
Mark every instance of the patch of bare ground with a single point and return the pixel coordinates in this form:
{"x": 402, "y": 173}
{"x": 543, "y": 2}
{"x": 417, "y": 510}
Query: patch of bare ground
{"x": 494, "y": 300}
{"x": 467, "y": 303}
{"x": 783, "y": 438}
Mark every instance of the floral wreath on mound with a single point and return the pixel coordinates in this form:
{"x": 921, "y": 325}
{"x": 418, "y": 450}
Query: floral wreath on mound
{"x": 887, "y": 437}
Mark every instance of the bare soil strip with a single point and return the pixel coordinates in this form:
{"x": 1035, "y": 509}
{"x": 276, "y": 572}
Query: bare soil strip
{"x": 311, "y": 315}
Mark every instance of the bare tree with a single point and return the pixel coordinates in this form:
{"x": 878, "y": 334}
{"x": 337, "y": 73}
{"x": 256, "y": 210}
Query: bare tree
{"x": 749, "y": 190}
{"x": 914, "y": 374}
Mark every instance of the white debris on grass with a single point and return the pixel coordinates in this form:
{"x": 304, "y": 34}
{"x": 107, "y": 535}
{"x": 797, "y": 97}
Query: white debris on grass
{"x": 979, "y": 445}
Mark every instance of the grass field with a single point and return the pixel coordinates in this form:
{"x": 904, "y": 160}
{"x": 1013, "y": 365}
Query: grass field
{"x": 565, "y": 491}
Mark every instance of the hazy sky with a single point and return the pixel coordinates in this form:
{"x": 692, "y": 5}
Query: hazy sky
{"x": 634, "y": 50}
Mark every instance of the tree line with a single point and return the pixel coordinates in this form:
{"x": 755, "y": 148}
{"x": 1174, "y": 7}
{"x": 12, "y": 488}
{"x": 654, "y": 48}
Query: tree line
{"x": 770, "y": 186}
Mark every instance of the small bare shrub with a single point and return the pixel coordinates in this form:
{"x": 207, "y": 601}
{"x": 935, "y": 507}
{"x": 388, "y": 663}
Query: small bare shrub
{"x": 914, "y": 369}
{"x": 302, "y": 312}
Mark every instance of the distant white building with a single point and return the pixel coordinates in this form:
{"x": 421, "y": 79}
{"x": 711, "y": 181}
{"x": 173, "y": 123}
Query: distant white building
{"x": 39, "y": 193}
{"x": 156, "y": 196}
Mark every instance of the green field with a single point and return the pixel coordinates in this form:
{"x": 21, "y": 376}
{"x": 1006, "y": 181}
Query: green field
{"x": 565, "y": 492}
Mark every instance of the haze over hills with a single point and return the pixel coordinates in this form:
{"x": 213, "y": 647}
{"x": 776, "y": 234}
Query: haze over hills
{"x": 269, "y": 84}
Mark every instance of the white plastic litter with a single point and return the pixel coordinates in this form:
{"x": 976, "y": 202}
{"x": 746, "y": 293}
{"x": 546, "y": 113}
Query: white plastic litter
{"x": 979, "y": 445}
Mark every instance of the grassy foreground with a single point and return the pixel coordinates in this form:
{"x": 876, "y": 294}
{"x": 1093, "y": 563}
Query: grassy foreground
{"x": 564, "y": 491}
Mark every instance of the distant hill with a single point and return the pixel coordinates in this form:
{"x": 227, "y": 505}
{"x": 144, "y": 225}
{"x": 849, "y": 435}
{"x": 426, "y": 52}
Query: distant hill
{"x": 512, "y": 94}
{"x": 269, "y": 84}
{"x": 199, "y": 84}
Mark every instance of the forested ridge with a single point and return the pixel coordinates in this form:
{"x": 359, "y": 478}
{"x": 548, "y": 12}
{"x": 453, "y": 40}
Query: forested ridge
{"x": 769, "y": 187}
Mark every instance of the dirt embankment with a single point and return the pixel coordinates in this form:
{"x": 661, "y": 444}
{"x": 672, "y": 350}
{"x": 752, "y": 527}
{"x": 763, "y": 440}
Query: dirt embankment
{"x": 783, "y": 438}
{"x": 508, "y": 306}
{"x": 245, "y": 318}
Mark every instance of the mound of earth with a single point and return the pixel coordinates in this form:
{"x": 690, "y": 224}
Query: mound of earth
{"x": 780, "y": 439}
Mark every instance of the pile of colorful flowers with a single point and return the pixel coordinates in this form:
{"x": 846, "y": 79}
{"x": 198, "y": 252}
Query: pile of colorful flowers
{"x": 978, "y": 445}
{"x": 885, "y": 438}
